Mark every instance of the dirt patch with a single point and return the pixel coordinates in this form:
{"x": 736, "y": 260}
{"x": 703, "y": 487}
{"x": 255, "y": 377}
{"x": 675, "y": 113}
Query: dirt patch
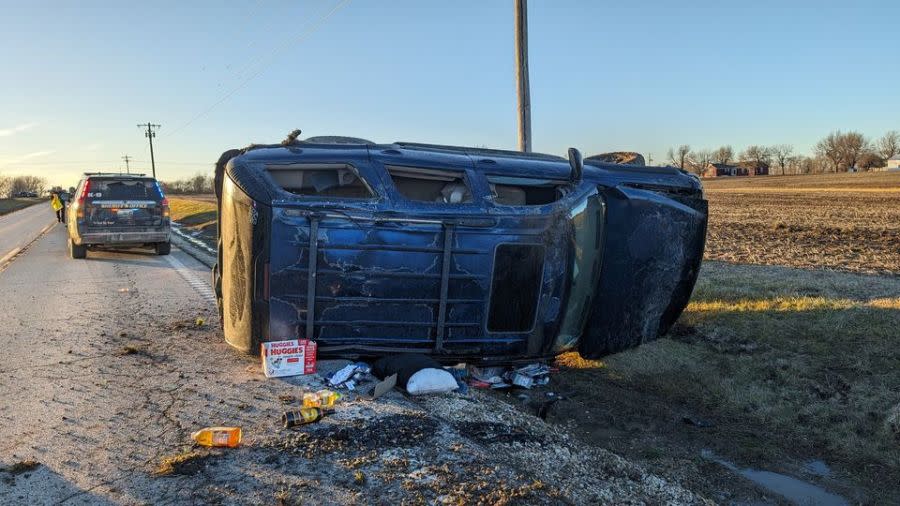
{"x": 849, "y": 223}
{"x": 185, "y": 464}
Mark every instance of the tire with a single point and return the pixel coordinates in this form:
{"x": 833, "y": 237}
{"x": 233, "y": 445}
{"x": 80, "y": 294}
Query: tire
{"x": 163, "y": 248}
{"x": 76, "y": 251}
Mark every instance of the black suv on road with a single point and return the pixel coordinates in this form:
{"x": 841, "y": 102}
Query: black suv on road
{"x": 119, "y": 211}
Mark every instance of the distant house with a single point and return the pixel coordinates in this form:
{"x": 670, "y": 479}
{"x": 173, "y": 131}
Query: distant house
{"x": 893, "y": 163}
{"x": 723, "y": 170}
{"x": 755, "y": 168}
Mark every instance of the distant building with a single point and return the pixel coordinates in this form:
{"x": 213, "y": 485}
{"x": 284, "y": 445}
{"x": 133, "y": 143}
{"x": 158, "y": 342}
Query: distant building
{"x": 755, "y": 168}
{"x": 723, "y": 170}
{"x": 893, "y": 163}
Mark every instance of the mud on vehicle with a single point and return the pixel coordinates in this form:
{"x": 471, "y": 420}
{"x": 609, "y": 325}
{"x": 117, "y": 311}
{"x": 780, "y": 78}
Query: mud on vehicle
{"x": 118, "y": 211}
{"x": 460, "y": 253}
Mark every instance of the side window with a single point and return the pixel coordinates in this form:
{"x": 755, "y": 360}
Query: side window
{"x": 518, "y": 191}
{"x": 320, "y": 180}
{"x": 431, "y": 185}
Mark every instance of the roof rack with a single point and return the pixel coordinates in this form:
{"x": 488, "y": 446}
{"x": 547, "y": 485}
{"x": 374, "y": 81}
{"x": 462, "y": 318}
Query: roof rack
{"x": 117, "y": 174}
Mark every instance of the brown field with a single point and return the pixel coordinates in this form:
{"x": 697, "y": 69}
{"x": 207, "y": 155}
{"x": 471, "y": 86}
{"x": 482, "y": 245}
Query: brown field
{"x": 10, "y": 205}
{"x": 847, "y": 222}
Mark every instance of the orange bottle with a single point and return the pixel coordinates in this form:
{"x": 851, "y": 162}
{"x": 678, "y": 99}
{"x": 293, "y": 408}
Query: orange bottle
{"x": 218, "y": 436}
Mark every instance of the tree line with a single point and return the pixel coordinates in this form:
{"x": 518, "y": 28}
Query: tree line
{"x": 194, "y": 185}
{"x": 837, "y": 152}
{"x": 12, "y": 185}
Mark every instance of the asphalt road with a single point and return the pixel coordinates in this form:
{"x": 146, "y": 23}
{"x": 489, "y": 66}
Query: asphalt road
{"x": 105, "y": 373}
{"x": 19, "y": 228}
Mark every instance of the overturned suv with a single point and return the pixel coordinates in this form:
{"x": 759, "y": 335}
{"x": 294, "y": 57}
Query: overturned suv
{"x": 468, "y": 254}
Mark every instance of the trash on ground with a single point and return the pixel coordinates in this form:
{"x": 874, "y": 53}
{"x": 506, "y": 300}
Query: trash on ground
{"x": 303, "y": 416}
{"x": 294, "y": 357}
{"x": 431, "y": 381}
{"x": 218, "y": 436}
{"x": 322, "y": 399}
{"x": 200, "y": 322}
{"x": 382, "y": 387}
{"x": 528, "y": 376}
{"x": 350, "y": 375}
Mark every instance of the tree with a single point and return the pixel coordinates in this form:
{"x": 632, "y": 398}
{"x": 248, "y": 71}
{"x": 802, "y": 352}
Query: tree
{"x": 853, "y": 145}
{"x": 4, "y": 186}
{"x": 700, "y": 159}
{"x": 723, "y": 155}
{"x": 831, "y": 149}
{"x": 782, "y": 154}
{"x": 759, "y": 154}
{"x": 889, "y": 145}
{"x": 871, "y": 160}
{"x": 679, "y": 155}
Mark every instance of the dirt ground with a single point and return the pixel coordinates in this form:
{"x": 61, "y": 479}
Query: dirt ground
{"x": 847, "y": 222}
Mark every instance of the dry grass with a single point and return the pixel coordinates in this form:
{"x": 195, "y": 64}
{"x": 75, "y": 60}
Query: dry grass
{"x": 196, "y": 213}
{"x": 838, "y": 221}
{"x": 10, "y": 205}
{"x": 790, "y": 364}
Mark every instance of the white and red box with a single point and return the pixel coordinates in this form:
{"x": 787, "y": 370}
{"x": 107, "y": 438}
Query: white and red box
{"x": 294, "y": 357}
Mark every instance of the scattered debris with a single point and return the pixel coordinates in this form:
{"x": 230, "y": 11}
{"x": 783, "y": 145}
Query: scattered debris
{"x": 528, "y": 376}
{"x": 431, "y": 381}
{"x": 322, "y": 399}
{"x": 218, "y": 436}
{"x": 294, "y": 357}
{"x": 349, "y": 375}
{"x": 200, "y": 322}
{"x": 303, "y": 416}
{"x": 382, "y": 387}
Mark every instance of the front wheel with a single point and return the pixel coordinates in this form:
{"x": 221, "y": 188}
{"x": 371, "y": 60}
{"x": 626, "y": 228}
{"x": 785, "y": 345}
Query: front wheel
{"x": 77, "y": 251}
{"x": 163, "y": 248}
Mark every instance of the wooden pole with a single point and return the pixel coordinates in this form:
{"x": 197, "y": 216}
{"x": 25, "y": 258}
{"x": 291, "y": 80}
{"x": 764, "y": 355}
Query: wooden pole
{"x": 522, "y": 86}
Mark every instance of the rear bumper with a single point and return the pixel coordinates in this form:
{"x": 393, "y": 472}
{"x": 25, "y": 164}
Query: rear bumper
{"x": 122, "y": 238}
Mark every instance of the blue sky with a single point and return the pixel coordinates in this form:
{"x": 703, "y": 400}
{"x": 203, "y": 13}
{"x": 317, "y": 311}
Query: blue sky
{"x": 77, "y": 78}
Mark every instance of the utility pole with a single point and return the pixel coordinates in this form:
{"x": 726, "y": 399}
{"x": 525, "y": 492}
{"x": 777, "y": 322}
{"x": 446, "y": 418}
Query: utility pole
{"x": 522, "y": 86}
{"x": 150, "y": 134}
{"x": 127, "y": 167}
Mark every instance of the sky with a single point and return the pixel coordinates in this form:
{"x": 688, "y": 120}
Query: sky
{"x": 77, "y": 77}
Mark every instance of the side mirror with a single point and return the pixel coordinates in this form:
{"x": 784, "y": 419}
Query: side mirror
{"x": 576, "y": 161}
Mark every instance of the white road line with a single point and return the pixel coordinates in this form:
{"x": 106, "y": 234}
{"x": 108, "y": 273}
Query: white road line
{"x": 199, "y": 286}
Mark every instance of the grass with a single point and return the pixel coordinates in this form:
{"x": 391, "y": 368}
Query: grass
{"x": 195, "y": 215}
{"x": 11, "y": 205}
{"x": 792, "y": 364}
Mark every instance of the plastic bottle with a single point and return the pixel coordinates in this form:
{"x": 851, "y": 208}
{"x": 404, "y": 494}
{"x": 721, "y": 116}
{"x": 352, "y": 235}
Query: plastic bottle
{"x": 302, "y": 416}
{"x": 218, "y": 436}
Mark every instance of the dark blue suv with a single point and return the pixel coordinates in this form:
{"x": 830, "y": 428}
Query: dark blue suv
{"x": 468, "y": 254}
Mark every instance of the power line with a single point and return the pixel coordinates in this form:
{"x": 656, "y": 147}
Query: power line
{"x": 264, "y": 65}
{"x": 127, "y": 166}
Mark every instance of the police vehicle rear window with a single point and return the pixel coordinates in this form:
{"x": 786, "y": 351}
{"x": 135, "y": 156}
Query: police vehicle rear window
{"x": 118, "y": 189}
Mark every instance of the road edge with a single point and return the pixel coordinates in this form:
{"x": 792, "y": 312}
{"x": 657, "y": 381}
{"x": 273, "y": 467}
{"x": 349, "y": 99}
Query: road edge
{"x": 180, "y": 240}
{"x": 15, "y": 252}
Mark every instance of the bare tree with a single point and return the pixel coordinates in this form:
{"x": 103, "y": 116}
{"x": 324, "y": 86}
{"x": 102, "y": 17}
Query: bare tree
{"x": 870, "y": 160}
{"x": 723, "y": 155}
{"x": 679, "y": 156}
{"x": 854, "y": 144}
{"x": 782, "y": 153}
{"x": 889, "y": 144}
{"x": 759, "y": 154}
{"x": 831, "y": 149}
{"x": 4, "y": 186}
{"x": 700, "y": 159}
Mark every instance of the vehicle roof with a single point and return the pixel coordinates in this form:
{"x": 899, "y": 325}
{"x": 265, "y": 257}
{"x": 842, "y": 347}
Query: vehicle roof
{"x": 117, "y": 175}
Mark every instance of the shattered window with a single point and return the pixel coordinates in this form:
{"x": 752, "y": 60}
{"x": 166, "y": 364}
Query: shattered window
{"x": 520, "y": 191}
{"x": 321, "y": 180}
{"x": 431, "y": 185}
